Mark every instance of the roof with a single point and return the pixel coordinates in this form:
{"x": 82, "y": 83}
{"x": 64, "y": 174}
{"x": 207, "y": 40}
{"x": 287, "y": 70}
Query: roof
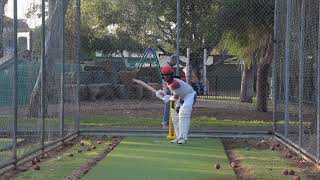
{"x": 22, "y": 26}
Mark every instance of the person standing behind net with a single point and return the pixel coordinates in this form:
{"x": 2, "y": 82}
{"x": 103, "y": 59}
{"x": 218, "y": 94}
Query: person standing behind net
{"x": 173, "y": 61}
{"x": 185, "y": 96}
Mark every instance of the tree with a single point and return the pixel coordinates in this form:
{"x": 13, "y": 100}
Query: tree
{"x": 246, "y": 55}
{"x": 199, "y": 28}
{"x": 109, "y": 28}
{"x": 250, "y": 24}
{"x": 52, "y": 50}
{"x": 247, "y": 25}
{"x": 149, "y": 23}
{"x": 2, "y": 5}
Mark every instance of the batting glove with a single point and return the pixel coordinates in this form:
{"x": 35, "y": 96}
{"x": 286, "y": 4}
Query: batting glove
{"x": 174, "y": 98}
{"x": 160, "y": 94}
{"x": 166, "y": 98}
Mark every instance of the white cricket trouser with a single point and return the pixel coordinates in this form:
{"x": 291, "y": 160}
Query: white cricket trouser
{"x": 181, "y": 122}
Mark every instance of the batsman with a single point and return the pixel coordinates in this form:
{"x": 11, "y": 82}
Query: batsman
{"x": 184, "y": 97}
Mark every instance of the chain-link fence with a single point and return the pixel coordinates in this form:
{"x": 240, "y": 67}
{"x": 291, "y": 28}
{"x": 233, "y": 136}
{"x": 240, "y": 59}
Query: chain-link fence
{"x": 225, "y": 49}
{"x": 39, "y": 104}
{"x": 225, "y": 52}
{"x": 296, "y": 75}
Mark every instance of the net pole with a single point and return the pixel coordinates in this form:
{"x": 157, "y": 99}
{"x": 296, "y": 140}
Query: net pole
{"x": 287, "y": 60}
{"x": 15, "y": 100}
{"x": 178, "y": 37}
{"x": 42, "y": 90}
{"x": 62, "y": 74}
{"x": 301, "y": 71}
{"x": 77, "y": 56}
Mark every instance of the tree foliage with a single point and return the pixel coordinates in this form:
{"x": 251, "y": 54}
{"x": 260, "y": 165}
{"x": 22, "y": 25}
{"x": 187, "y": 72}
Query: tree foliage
{"x": 108, "y": 26}
{"x": 248, "y": 36}
{"x": 2, "y": 5}
{"x": 134, "y": 25}
{"x": 245, "y": 23}
{"x": 242, "y": 27}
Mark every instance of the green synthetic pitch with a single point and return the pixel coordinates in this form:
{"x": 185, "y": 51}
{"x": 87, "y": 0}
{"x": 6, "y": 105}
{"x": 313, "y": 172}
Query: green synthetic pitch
{"x": 142, "y": 158}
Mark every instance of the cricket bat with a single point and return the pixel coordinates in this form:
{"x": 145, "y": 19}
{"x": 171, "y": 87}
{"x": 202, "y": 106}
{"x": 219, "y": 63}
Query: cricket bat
{"x": 143, "y": 84}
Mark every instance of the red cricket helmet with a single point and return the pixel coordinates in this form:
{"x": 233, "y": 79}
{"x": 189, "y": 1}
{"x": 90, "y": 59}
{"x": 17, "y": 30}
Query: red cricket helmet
{"x": 167, "y": 70}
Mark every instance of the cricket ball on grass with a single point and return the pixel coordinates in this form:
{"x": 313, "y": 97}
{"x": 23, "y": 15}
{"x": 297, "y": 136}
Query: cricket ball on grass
{"x": 285, "y": 172}
{"x": 42, "y": 156}
{"x": 289, "y": 155}
{"x": 36, "y": 167}
{"x": 217, "y": 166}
{"x": 258, "y": 144}
{"x": 85, "y": 171}
{"x": 296, "y": 178}
{"x": 291, "y": 172}
{"x": 70, "y": 155}
{"x": 233, "y": 165}
{"x": 273, "y": 147}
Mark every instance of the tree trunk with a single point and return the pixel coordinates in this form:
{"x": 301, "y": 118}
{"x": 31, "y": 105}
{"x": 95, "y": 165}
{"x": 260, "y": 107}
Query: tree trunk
{"x": 196, "y": 62}
{"x": 265, "y": 54}
{"x": 262, "y": 87}
{"x": 2, "y": 4}
{"x": 247, "y": 81}
{"x": 52, "y": 4}
{"x": 52, "y": 54}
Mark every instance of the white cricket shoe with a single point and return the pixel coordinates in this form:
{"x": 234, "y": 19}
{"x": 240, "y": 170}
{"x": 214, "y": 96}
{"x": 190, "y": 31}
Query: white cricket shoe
{"x": 182, "y": 141}
{"x": 175, "y": 141}
{"x": 164, "y": 126}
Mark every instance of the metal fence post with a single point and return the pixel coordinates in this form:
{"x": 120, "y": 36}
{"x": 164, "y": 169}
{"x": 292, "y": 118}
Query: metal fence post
{"x": 188, "y": 74}
{"x": 205, "y": 56}
{"x": 43, "y": 55}
{"x": 301, "y": 71}
{"x": 275, "y": 67}
{"x": 77, "y": 32}
{"x": 62, "y": 73}
{"x": 318, "y": 93}
{"x": 178, "y": 37}
{"x": 15, "y": 69}
{"x": 286, "y": 76}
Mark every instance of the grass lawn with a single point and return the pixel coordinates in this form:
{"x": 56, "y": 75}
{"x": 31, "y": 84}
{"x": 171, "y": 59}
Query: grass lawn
{"x": 265, "y": 164}
{"x": 120, "y": 121}
{"x": 155, "y": 158}
{"x": 62, "y": 166}
{"x": 6, "y": 148}
{"x": 211, "y": 97}
{"x": 31, "y": 123}
{"x": 7, "y": 142}
{"x": 197, "y": 122}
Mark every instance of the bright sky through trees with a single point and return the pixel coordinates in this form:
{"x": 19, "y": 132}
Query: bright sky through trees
{"x": 23, "y": 6}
